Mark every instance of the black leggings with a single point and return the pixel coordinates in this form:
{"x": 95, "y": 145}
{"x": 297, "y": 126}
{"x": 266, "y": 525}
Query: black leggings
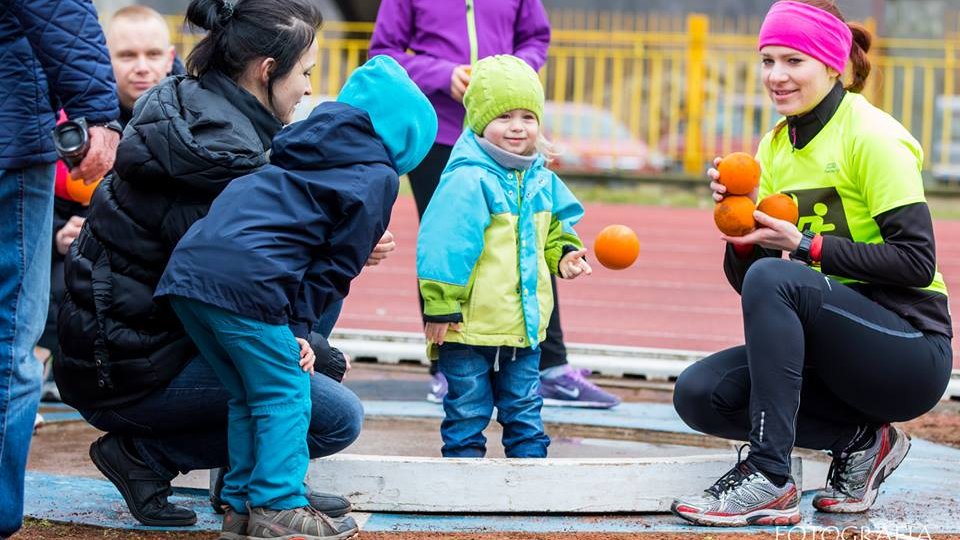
{"x": 820, "y": 361}
{"x": 423, "y": 181}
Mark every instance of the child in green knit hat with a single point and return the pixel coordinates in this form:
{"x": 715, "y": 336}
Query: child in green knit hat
{"x": 497, "y": 224}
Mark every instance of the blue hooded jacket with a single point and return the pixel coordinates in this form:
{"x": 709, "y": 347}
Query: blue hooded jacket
{"x": 280, "y": 244}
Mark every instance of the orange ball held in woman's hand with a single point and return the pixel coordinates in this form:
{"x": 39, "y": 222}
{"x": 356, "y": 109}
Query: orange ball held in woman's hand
{"x": 79, "y": 191}
{"x": 780, "y": 206}
{"x": 739, "y": 172}
{"x": 734, "y": 215}
{"x": 616, "y": 247}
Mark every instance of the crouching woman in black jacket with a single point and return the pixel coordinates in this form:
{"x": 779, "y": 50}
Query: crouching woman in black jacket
{"x": 126, "y": 362}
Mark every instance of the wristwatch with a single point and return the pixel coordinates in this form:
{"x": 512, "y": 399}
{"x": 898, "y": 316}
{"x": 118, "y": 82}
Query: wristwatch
{"x": 802, "y": 253}
{"x": 113, "y": 125}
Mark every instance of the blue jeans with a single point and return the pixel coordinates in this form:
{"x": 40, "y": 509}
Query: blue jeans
{"x": 328, "y": 319}
{"x": 480, "y": 378}
{"x": 26, "y": 222}
{"x": 183, "y": 427}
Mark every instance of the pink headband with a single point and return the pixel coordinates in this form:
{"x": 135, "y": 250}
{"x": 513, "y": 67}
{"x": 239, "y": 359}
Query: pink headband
{"x": 809, "y": 30}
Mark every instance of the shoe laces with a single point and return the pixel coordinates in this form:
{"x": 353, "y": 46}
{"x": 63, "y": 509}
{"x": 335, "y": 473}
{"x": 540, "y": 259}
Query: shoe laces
{"x": 838, "y": 475}
{"x": 579, "y": 376}
{"x": 318, "y": 514}
{"x": 733, "y": 478}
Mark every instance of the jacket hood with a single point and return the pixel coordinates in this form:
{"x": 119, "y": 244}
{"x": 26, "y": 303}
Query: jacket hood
{"x": 334, "y": 135}
{"x": 401, "y": 115}
{"x": 186, "y": 133}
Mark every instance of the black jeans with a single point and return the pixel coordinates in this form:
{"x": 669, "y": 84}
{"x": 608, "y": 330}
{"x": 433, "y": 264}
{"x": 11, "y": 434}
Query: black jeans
{"x": 820, "y": 361}
{"x": 424, "y": 181}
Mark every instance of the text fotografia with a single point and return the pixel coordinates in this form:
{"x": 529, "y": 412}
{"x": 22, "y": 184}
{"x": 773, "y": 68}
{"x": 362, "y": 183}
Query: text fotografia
{"x": 852, "y": 532}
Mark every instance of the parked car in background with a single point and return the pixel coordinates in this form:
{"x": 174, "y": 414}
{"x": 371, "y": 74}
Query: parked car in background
{"x": 945, "y": 157}
{"x": 744, "y": 113}
{"x": 591, "y": 140}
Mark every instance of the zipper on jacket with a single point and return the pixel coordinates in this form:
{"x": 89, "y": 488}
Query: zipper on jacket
{"x": 472, "y": 33}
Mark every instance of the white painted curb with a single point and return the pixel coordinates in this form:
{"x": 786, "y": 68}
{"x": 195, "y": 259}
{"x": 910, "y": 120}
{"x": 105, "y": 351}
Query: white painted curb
{"x": 500, "y": 485}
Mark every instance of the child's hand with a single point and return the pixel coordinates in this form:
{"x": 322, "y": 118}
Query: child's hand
{"x": 383, "y": 247}
{"x": 573, "y": 264}
{"x": 436, "y": 331}
{"x": 307, "y": 358}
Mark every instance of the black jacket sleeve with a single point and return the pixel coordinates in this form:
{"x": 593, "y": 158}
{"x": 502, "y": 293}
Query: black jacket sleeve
{"x": 907, "y": 256}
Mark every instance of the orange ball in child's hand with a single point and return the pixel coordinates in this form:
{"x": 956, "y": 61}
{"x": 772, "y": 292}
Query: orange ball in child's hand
{"x": 79, "y": 191}
{"x": 616, "y": 247}
{"x": 739, "y": 172}
{"x": 734, "y": 215}
{"x": 780, "y": 206}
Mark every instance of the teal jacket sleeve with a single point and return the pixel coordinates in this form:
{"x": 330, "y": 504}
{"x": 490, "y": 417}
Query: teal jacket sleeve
{"x": 450, "y": 242}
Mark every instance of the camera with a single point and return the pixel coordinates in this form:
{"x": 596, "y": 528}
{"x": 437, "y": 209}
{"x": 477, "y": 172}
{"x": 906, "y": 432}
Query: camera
{"x": 72, "y": 141}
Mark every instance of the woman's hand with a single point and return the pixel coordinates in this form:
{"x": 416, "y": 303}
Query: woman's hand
{"x": 720, "y": 190}
{"x": 771, "y": 233}
{"x": 436, "y": 331}
{"x": 459, "y": 80}
{"x": 307, "y": 358}
{"x": 573, "y": 265}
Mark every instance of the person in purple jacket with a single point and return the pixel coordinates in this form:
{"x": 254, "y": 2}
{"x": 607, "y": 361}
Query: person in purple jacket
{"x": 446, "y": 37}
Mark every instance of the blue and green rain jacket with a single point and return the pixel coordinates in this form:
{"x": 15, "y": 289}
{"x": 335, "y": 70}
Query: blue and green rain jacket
{"x": 488, "y": 241}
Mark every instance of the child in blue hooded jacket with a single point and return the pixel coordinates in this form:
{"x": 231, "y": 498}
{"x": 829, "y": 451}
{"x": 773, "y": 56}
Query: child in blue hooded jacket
{"x": 499, "y": 223}
{"x": 279, "y": 245}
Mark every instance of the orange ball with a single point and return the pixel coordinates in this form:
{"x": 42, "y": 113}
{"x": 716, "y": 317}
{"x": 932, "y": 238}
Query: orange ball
{"x": 79, "y": 191}
{"x": 734, "y": 215}
{"x": 780, "y": 206}
{"x": 739, "y": 172}
{"x": 616, "y": 247}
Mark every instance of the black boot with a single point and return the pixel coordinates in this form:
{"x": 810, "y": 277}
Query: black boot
{"x": 144, "y": 490}
{"x": 325, "y": 503}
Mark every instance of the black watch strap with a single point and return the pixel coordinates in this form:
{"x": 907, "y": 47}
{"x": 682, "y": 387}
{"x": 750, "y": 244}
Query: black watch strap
{"x": 113, "y": 125}
{"x": 802, "y": 253}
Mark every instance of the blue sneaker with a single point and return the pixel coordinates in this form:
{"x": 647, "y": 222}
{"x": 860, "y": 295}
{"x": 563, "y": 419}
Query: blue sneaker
{"x": 572, "y": 389}
{"x": 438, "y": 388}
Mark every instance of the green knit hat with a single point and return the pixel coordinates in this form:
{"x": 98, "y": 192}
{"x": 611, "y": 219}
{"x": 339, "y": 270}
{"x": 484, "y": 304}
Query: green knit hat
{"x": 499, "y": 84}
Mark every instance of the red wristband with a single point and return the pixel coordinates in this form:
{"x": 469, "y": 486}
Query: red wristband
{"x": 816, "y": 248}
{"x": 743, "y": 251}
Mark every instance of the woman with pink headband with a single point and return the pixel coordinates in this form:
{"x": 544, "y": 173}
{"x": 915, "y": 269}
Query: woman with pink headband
{"x": 851, "y": 334}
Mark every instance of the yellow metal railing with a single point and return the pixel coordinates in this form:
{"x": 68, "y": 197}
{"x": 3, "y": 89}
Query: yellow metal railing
{"x": 689, "y": 87}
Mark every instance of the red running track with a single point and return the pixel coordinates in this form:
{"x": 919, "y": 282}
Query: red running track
{"x": 674, "y": 297}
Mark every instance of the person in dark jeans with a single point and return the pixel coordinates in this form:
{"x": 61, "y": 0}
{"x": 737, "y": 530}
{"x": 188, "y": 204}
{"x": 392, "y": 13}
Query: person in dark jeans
{"x": 439, "y": 35}
{"x": 851, "y": 335}
{"x": 126, "y": 363}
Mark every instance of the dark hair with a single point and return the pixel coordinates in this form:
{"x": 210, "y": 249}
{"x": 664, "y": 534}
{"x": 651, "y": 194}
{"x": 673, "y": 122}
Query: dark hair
{"x": 241, "y": 32}
{"x": 862, "y": 40}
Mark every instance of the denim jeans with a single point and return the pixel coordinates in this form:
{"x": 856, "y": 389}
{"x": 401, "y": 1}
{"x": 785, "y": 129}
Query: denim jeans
{"x": 328, "y": 319}
{"x": 183, "y": 427}
{"x": 480, "y": 378}
{"x": 26, "y": 222}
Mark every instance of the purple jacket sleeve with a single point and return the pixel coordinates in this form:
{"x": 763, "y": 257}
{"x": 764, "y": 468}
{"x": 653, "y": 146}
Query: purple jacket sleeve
{"x": 531, "y": 34}
{"x": 391, "y": 36}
